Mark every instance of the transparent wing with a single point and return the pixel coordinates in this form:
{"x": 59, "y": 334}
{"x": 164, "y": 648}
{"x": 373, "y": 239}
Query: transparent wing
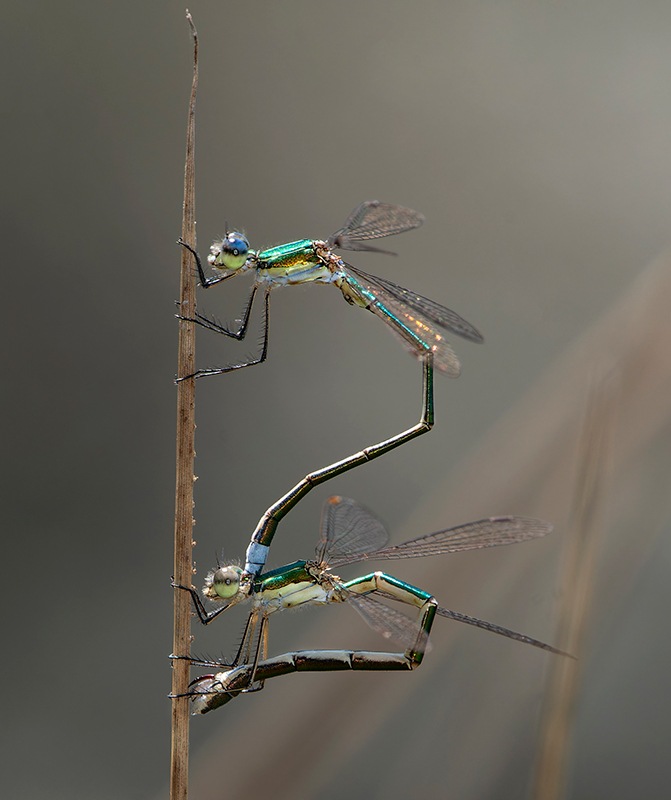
{"x": 373, "y": 220}
{"x": 348, "y": 530}
{"x": 402, "y": 309}
{"x": 388, "y": 622}
{"x": 440, "y": 316}
{"x": 492, "y": 628}
{"x": 490, "y": 532}
{"x": 398, "y": 316}
{"x": 378, "y": 613}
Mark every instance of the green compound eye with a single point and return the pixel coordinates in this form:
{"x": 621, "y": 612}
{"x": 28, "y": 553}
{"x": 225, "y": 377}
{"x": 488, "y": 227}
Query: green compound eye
{"x": 226, "y": 582}
{"x": 230, "y": 253}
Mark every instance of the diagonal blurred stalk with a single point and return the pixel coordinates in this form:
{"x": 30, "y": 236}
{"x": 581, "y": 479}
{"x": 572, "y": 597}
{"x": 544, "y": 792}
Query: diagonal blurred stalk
{"x": 186, "y": 394}
{"x": 577, "y": 581}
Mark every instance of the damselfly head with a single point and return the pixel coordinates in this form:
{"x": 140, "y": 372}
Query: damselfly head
{"x": 229, "y": 253}
{"x": 223, "y": 583}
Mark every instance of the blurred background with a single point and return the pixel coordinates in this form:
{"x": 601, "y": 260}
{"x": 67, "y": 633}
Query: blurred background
{"x": 535, "y": 139}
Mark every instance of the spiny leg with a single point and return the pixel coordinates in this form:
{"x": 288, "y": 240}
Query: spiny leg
{"x": 244, "y": 657}
{"x": 195, "y": 661}
{"x": 201, "y": 373}
{"x": 211, "y": 324}
{"x": 244, "y": 654}
{"x": 239, "y": 658}
{"x": 216, "y": 327}
{"x": 204, "y": 281}
{"x": 200, "y": 662}
{"x": 261, "y": 647}
{"x": 204, "y": 615}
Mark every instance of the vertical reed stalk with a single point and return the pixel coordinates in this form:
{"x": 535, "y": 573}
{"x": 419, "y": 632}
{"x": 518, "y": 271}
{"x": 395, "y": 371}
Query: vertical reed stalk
{"x": 186, "y": 394}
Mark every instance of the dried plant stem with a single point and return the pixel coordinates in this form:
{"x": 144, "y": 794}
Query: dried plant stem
{"x": 179, "y": 756}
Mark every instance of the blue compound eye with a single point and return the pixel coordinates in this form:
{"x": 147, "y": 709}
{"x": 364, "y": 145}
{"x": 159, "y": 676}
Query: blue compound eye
{"x": 235, "y": 245}
{"x": 229, "y": 253}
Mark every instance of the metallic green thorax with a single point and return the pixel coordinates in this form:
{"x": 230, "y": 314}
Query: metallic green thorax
{"x": 281, "y": 577}
{"x": 292, "y": 263}
{"x": 289, "y": 254}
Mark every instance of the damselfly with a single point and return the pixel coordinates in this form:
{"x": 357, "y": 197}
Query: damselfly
{"x": 418, "y": 322}
{"x": 349, "y": 534}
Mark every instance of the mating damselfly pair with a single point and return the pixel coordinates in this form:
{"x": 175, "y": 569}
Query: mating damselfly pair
{"x": 349, "y": 532}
